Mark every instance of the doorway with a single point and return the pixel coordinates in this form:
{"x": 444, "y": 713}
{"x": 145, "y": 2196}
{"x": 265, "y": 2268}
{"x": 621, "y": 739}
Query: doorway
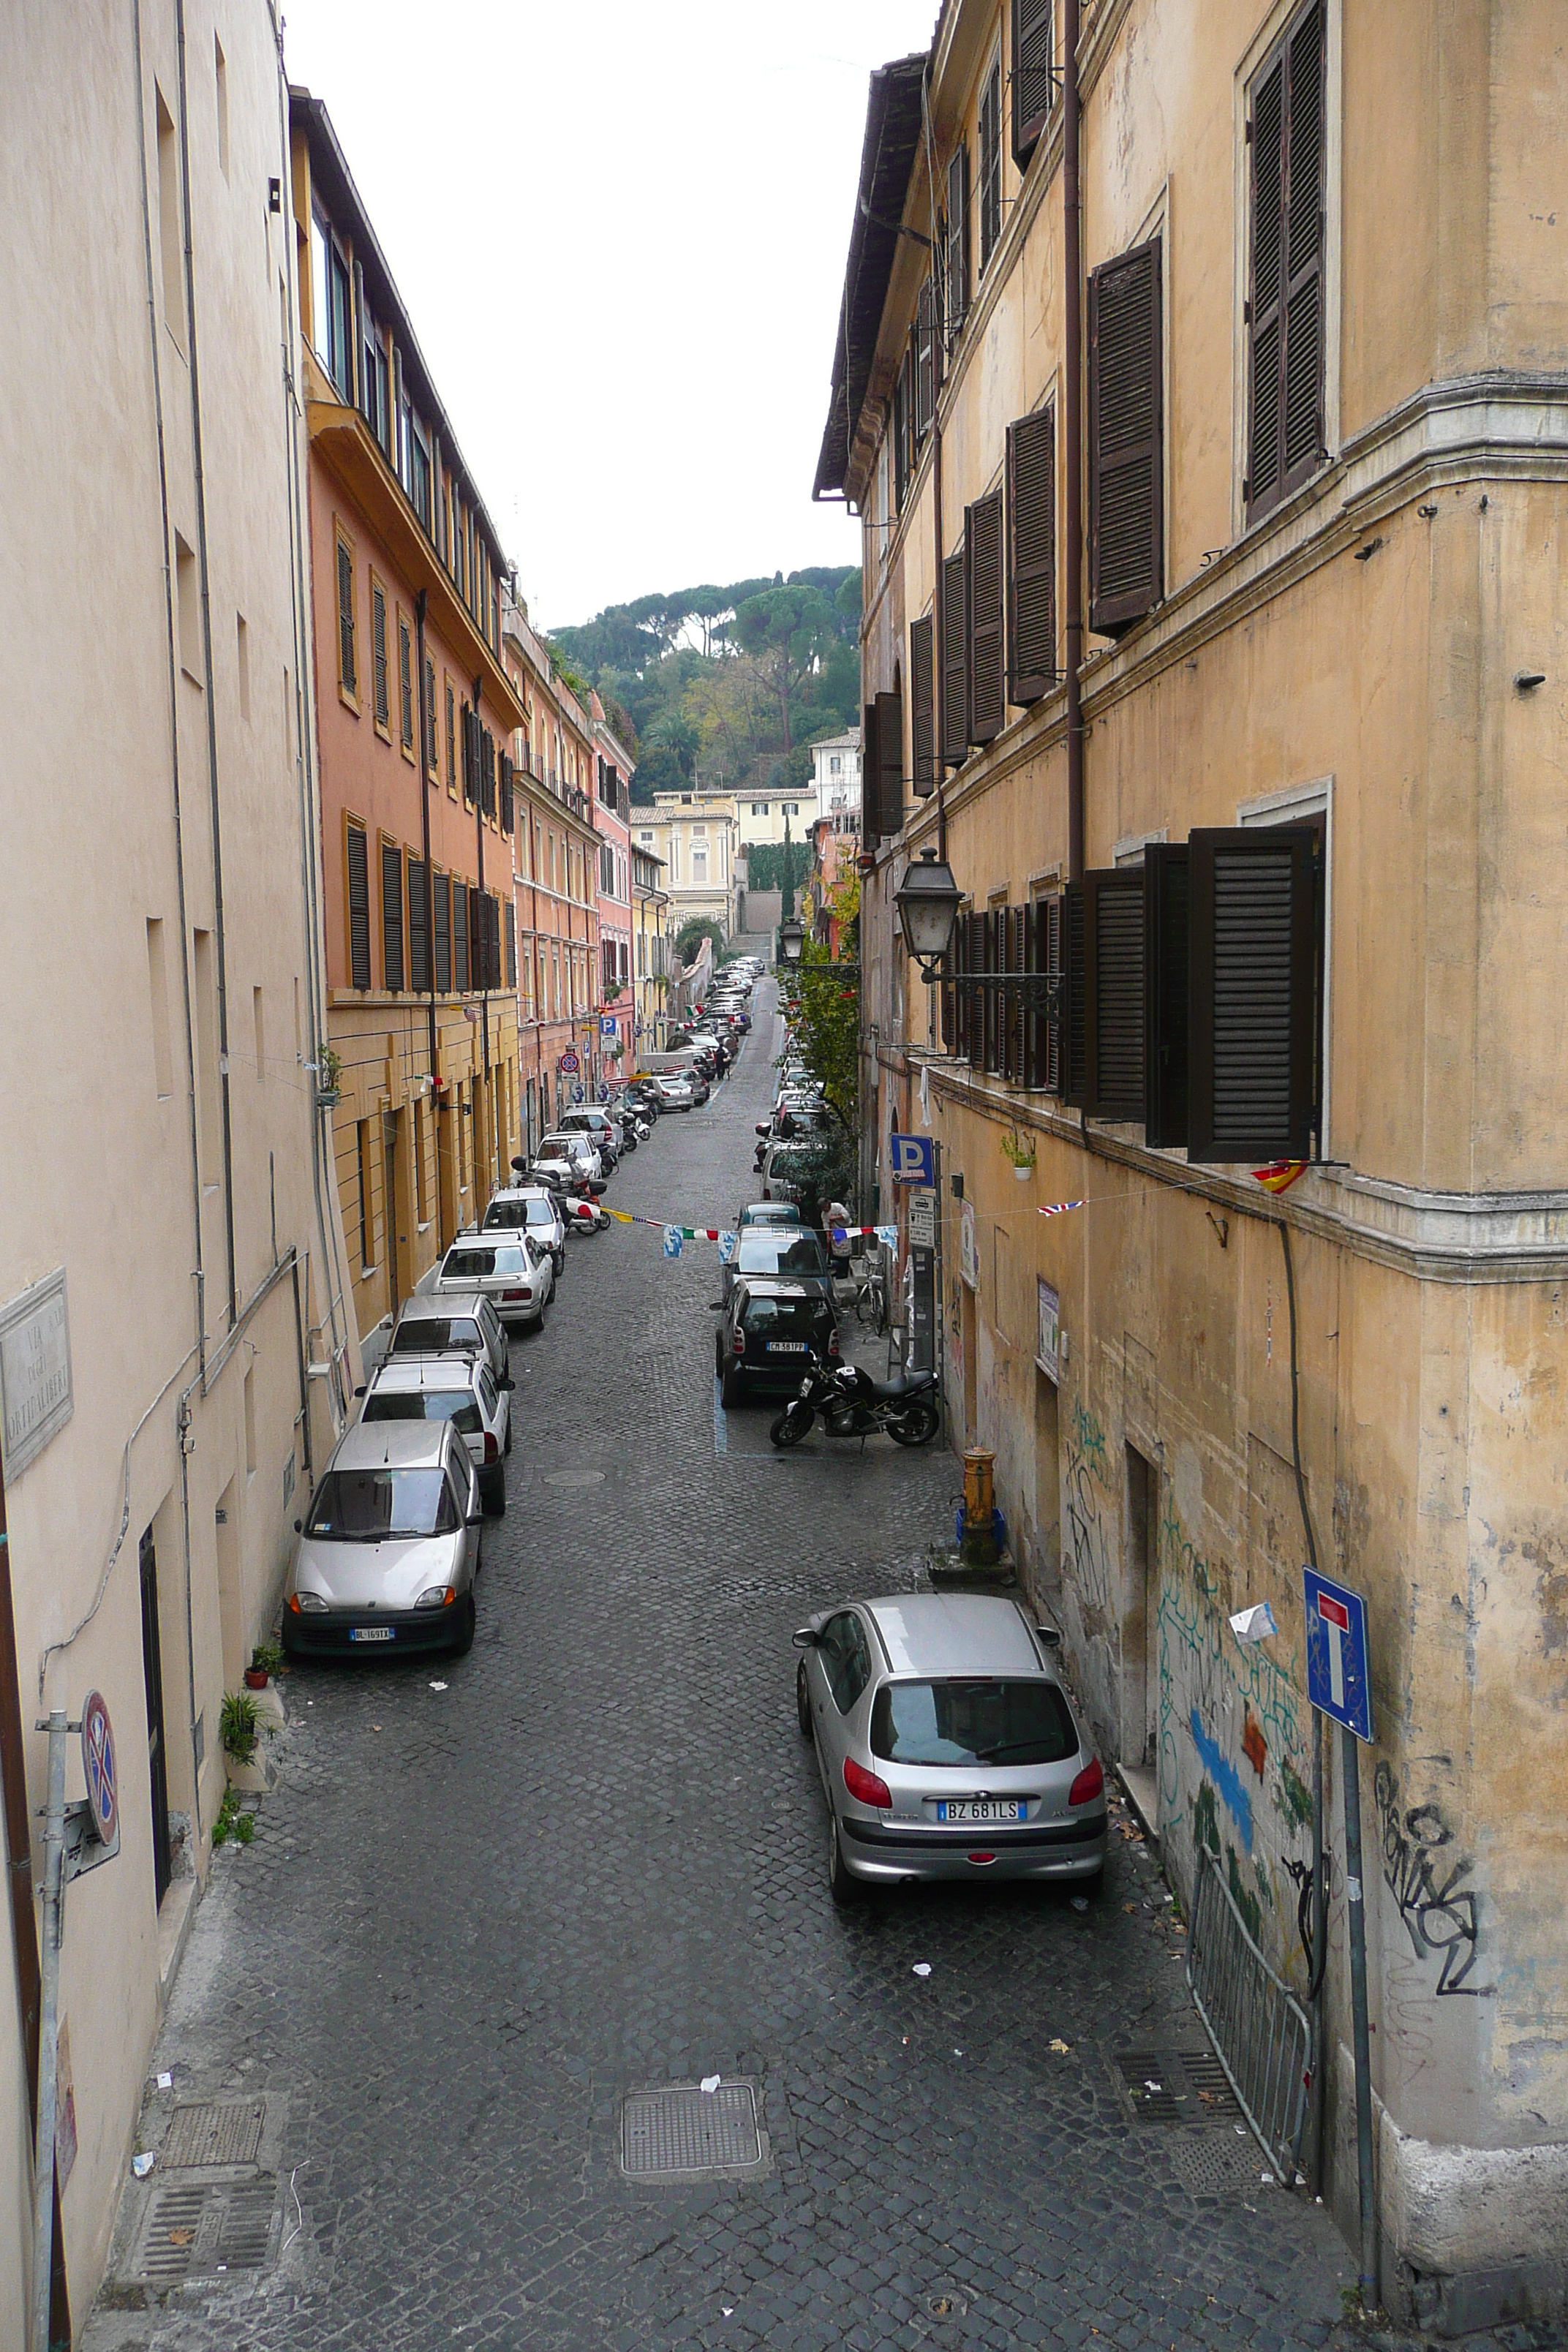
{"x": 1048, "y": 1577}
{"x": 1141, "y": 1617}
{"x": 396, "y": 1203}
{"x": 157, "y": 1759}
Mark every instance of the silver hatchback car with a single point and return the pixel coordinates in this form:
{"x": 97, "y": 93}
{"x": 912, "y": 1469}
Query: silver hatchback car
{"x": 389, "y": 1548}
{"x": 946, "y": 1745}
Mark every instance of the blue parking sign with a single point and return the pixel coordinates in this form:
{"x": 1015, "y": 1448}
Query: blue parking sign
{"x": 1337, "y": 1679}
{"x": 914, "y": 1160}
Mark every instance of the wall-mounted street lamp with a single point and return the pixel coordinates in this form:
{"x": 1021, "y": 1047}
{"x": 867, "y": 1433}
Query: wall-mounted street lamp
{"x": 792, "y": 942}
{"x": 928, "y": 900}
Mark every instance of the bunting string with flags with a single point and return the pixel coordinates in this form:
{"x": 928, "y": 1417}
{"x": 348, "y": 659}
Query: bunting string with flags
{"x": 1059, "y": 1208}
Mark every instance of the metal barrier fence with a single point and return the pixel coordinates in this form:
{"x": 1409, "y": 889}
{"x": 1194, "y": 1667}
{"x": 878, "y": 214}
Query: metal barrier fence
{"x": 1259, "y": 2029}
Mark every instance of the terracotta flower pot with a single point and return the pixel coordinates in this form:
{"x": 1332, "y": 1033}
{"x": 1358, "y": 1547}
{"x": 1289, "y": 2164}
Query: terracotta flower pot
{"x": 256, "y": 1678}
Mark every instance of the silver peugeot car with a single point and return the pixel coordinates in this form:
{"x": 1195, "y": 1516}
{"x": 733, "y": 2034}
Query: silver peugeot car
{"x": 946, "y": 1745}
{"x": 389, "y": 1548}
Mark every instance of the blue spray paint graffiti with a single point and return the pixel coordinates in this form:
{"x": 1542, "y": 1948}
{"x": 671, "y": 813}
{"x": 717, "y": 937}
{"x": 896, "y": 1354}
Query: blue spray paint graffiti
{"x": 1223, "y": 1775}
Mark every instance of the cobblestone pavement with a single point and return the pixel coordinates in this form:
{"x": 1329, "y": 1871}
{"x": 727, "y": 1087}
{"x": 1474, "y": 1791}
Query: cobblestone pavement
{"x": 488, "y": 1897}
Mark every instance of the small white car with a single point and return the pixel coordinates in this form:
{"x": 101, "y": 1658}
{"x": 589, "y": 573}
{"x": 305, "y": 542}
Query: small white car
{"x": 578, "y": 1151}
{"x": 461, "y": 1390}
{"x": 528, "y": 1209}
{"x": 389, "y": 1548}
{"x": 515, "y": 1273}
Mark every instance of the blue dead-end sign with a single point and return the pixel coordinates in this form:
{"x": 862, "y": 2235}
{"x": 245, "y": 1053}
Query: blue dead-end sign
{"x": 1338, "y": 1681}
{"x": 97, "y": 1762}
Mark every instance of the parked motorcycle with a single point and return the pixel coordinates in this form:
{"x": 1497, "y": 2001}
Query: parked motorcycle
{"x": 852, "y": 1404}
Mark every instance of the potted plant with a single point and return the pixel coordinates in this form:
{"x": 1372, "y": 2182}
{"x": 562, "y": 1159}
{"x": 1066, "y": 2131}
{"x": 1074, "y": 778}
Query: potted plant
{"x": 1020, "y": 1151}
{"x": 264, "y": 1661}
{"x": 329, "y": 1076}
{"x": 238, "y": 1724}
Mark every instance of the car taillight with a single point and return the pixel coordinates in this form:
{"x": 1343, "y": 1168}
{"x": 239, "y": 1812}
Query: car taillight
{"x": 866, "y": 1787}
{"x": 1089, "y": 1784}
{"x": 833, "y": 1343}
{"x": 492, "y": 1446}
{"x": 739, "y": 1342}
{"x": 515, "y": 1297}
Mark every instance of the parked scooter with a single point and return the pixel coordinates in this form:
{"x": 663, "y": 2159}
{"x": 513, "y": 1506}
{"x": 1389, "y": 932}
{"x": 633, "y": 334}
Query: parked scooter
{"x": 852, "y": 1404}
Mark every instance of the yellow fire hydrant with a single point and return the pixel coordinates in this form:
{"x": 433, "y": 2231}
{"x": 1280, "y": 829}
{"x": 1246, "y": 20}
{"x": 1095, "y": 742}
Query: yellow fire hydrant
{"x": 979, "y": 1547}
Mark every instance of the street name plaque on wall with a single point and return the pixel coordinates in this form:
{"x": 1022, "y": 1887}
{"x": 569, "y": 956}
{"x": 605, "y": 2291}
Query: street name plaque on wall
{"x": 35, "y": 1370}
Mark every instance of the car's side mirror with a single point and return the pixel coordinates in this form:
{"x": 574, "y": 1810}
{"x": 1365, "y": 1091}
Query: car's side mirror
{"x": 506, "y": 1382}
{"x": 477, "y": 1518}
{"x": 359, "y": 1391}
{"x": 805, "y": 1637}
{"x": 298, "y": 1526}
{"x": 1050, "y": 1636}
{"x": 762, "y": 1126}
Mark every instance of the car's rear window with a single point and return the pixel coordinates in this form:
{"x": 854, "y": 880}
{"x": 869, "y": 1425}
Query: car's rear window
{"x": 972, "y": 1721}
{"x": 790, "y": 1251}
{"x": 468, "y": 1264}
{"x": 455, "y": 1405}
{"x": 786, "y": 1318}
{"x": 426, "y": 1335}
{"x": 507, "y": 1216}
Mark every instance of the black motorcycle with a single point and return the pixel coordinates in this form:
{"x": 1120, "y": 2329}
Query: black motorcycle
{"x": 852, "y": 1404}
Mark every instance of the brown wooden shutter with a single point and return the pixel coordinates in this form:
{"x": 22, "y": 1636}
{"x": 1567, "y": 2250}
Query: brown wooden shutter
{"x": 406, "y": 681}
{"x": 957, "y": 241}
{"x": 470, "y": 755}
{"x": 418, "y": 925}
{"x": 493, "y": 934}
{"x": 1126, "y": 400}
{"x": 925, "y": 359}
{"x": 1016, "y": 949}
{"x": 1075, "y": 1071}
{"x": 488, "y": 771}
{"x": 870, "y": 779}
{"x": 954, "y": 667}
{"x": 359, "y": 908}
{"x": 1285, "y": 308}
{"x": 432, "y": 755}
{"x": 510, "y": 917}
{"x": 443, "y": 933}
{"x": 507, "y": 813}
{"x": 900, "y": 431}
{"x": 1253, "y": 992}
{"x": 1032, "y": 556}
{"x": 378, "y": 652}
{"x": 990, "y": 129}
{"x": 345, "y": 618}
{"x": 986, "y": 687}
{"x": 391, "y": 915}
{"x": 1032, "y": 55}
{"x": 891, "y": 764}
{"x": 1165, "y": 993}
{"x": 461, "y": 900}
{"x": 1052, "y": 954}
{"x": 923, "y": 711}
{"x": 1114, "y": 992}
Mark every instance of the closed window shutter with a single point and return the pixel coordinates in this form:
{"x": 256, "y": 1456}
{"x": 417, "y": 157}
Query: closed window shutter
{"x": 985, "y": 684}
{"x": 451, "y": 740}
{"x": 990, "y": 128}
{"x": 470, "y": 755}
{"x": 345, "y": 618}
{"x": 1053, "y": 963}
{"x": 890, "y": 764}
{"x": 957, "y": 241}
{"x": 432, "y": 756}
{"x": 870, "y": 815}
{"x": 511, "y": 919}
{"x": 1114, "y": 992}
{"x": 954, "y": 706}
{"x": 392, "y": 914}
{"x": 1032, "y": 556}
{"x": 405, "y": 682}
{"x": 1165, "y": 993}
{"x": 1033, "y": 54}
{"x": 359, "y": 908}
{"x": 1253, "y": 994}
{"x": 508, "y": 816}
{"x": 492, "y": 937}
{"x": 1126, "y": 520}
{"x": 1017, "y": 925}
{"x": 460, "y": 903}
{"x": 923, "y": 711}
{"x": 488, "y": 771}
{"x": 418, "y": 925}
{"x": 443, "y": 933}
{"x": 378, "y": 652}
{"x": 1286, "y": 306}
{"x": 1074, "y": 1024}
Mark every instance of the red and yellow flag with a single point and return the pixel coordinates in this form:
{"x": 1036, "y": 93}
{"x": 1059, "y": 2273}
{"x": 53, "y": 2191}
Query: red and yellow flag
{"x": 1280, "y": 1175}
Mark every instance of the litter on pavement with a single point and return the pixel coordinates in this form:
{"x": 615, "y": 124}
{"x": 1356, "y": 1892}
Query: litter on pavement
{"x": 165, "y": 2082}
{"x": 711, "y": 2083}
{"x": 143, "y": 2164}
{"x": 1062, "y": 2049}
{"x": 437, "y": 1686}
{"x": 922, "y": 1969}
{"x": 1080, "y": 1902}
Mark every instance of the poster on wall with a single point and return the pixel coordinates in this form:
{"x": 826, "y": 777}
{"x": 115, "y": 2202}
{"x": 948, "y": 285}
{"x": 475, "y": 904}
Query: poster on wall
{"x": 1048, "y": 1312}
{"x": 969, "y": 1249}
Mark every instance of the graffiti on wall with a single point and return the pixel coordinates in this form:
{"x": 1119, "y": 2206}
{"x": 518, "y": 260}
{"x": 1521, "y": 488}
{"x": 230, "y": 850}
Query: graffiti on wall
{"x": 1088, "y": 1544}
{"x": 1422, "y": 1873}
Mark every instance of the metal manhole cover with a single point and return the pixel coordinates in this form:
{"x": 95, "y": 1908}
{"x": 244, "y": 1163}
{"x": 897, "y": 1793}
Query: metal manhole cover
{"x": 573, "y": 1478}
{"x": 213, "y": 2133}
{"x": 1210, "y": 2163}
{"x": 206, "y": 2228}
{"x": 683, "y": 2132}
{"x": 1176, "y": 2086}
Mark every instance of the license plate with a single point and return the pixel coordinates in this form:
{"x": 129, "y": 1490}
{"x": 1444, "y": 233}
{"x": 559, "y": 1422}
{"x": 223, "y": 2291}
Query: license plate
{"x": 371, "y": 1632}
{"x": 786, "y": 1346}
{"x": 972, "y": 1809}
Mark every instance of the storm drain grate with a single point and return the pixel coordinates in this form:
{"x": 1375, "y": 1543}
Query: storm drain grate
{"x": 1176, "y": 2086}
{"x": 684, "y": 2130}
{"x": 198, "y": 2231}
{"x": 1214, "y": 2163}
{"x": 213, "y": 2133}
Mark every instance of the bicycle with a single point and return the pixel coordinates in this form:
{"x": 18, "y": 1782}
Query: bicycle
{"x": 871, "y": 1298}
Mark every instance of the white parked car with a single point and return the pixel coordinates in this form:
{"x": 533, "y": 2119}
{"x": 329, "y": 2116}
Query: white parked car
{"x": 528, "y": 1209}
{"x": 461, "y": 1390}
{"x": 516, "y": 1274}
{"x": 389, "y": 1548}
{"x": 578, "y": 1151}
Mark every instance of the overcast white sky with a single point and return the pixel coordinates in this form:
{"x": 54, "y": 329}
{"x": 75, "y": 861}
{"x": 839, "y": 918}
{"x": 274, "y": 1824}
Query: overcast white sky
{"x": 620, "y": 227}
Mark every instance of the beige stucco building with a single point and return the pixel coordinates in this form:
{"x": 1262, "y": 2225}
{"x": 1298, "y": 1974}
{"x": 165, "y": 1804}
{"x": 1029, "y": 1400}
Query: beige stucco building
{"x": 697, "y": 836}
{"x": 1294, "y": 862}
{"x": 173, "y": 1275}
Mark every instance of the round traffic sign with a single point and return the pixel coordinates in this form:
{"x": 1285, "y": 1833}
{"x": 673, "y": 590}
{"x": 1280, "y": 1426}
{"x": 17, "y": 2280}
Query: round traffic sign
{"x": 569, "y": 1061}
{"x": 98, "y": 1764}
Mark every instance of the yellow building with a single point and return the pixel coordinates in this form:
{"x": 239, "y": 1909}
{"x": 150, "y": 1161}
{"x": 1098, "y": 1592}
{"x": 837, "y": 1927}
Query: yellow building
{"x": 696, "y": 837}
{"x": 651, "y": 949}
{"x": 1200, "y": 384}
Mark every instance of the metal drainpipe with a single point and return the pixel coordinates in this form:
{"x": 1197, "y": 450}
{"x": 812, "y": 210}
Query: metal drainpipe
{"x": 1073, "y": 269}
{"x": 421, "y": 605}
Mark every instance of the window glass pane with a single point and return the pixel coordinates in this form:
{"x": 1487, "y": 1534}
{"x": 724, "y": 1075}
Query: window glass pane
{"x": 455, "y": 1405}
{"x": 794, "y": 1253}
{"x": 341, "y": 313}
{"x": 973, "y": 1722}
{"x": 787, "y": 1318}
{"x": 352, "y": 1505}
{"x": 320, "y": 289}
{"x": 433, "y": 1333}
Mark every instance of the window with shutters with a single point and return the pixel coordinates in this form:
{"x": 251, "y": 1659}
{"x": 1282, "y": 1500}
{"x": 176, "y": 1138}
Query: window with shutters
{"x": 922, "y": 707}
{"x": 460, "y": 979}
{"x": 1126, "y": 407}
{"x": 432, "y": 755}
{"x": 509, "y": 917}
{"x": 870, "y": 815}
{"x": 406, "y": 683}
{"x": 418, "y": 925}
{"x": 891, "y": 764}
{"x": 985, "y": 663}
{"x": 442, "y": 896}
{"x": 954, "y": 715}
{"x": 508, "y": 807}
{"x": 358, "y": 866}
{"x": 1114, "y": 992}
{"x": 1032, "y": 556}
{"x": 927, "y": 359}
{"x": 391, "y": 915}
{"x": 380, "y": 702}
{"x": 900, "y": 429}
{"x": 470, "y": 730}
{"x": 488, "y": 771}
{"x": 347, "y": 679}
{"x": 990, "y": 128}
{"x": 1254, "y": 963}
{"x": 956, "y": 271}
{"x": 1034, "y": 53}
{"x": 1073, "y": 1025}
{"x": 1285, "y": 310}
{"x": 451, "y": 739}
{"x": 1165, "y": 993}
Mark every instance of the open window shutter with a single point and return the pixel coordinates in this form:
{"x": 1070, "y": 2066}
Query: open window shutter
{"x": 952, "y": 1006}
{"x": 1165, "y": 993}
{"x": 507, "y": 818}
{"x": 1052, "y": 953}
{"x": 510, "y": 918}
{"x": 1265, "y": 307}
{"x": 1032, "y": 59}
{"x": 418, "y": 925}
{"x": 1032, "y": 556}
{"x": 406, "y": 683}
{"x": 890, "y": 764}
{"x": 392, "y": 914}
{"x": 345, "y": 618}
{"x": 1073, "y": 1023}
{"x": 432, "y": 756}
{"x": 358, "y": 909}
{"x": 461, "y": 900}
{"x": 922, "y": 714}
{"x": 957, "y": 241}
{"x": 925, "y": 368}
{"x": 1114, "y": 992}
{"x": 954, "y": 705}
{"x": 1285, "y": 308}
{"x": 870, "y": 779}
{"x": 982, "y": 618}
{"x": 1252, "y": 966}
{"x": 1018, "y": 925}
{"x": 477, "y": 956}
{"x": 1126, "y": 522}
{"x": 900, "y": 432}
{"x": 444, "y": 932}
{"x": 378, "y": 652}
{"x": 470, "y": 755}
{"x": 488, "y": 771}
{"x": 493, "y": 934}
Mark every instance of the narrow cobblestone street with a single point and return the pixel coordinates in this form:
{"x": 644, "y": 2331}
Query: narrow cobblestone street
{"x": 488, "y": 1897}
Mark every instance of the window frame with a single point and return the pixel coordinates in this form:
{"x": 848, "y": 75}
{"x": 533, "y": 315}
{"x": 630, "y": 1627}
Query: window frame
{"x": 988, "y": 175}
{"x": 343, "y": 544}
